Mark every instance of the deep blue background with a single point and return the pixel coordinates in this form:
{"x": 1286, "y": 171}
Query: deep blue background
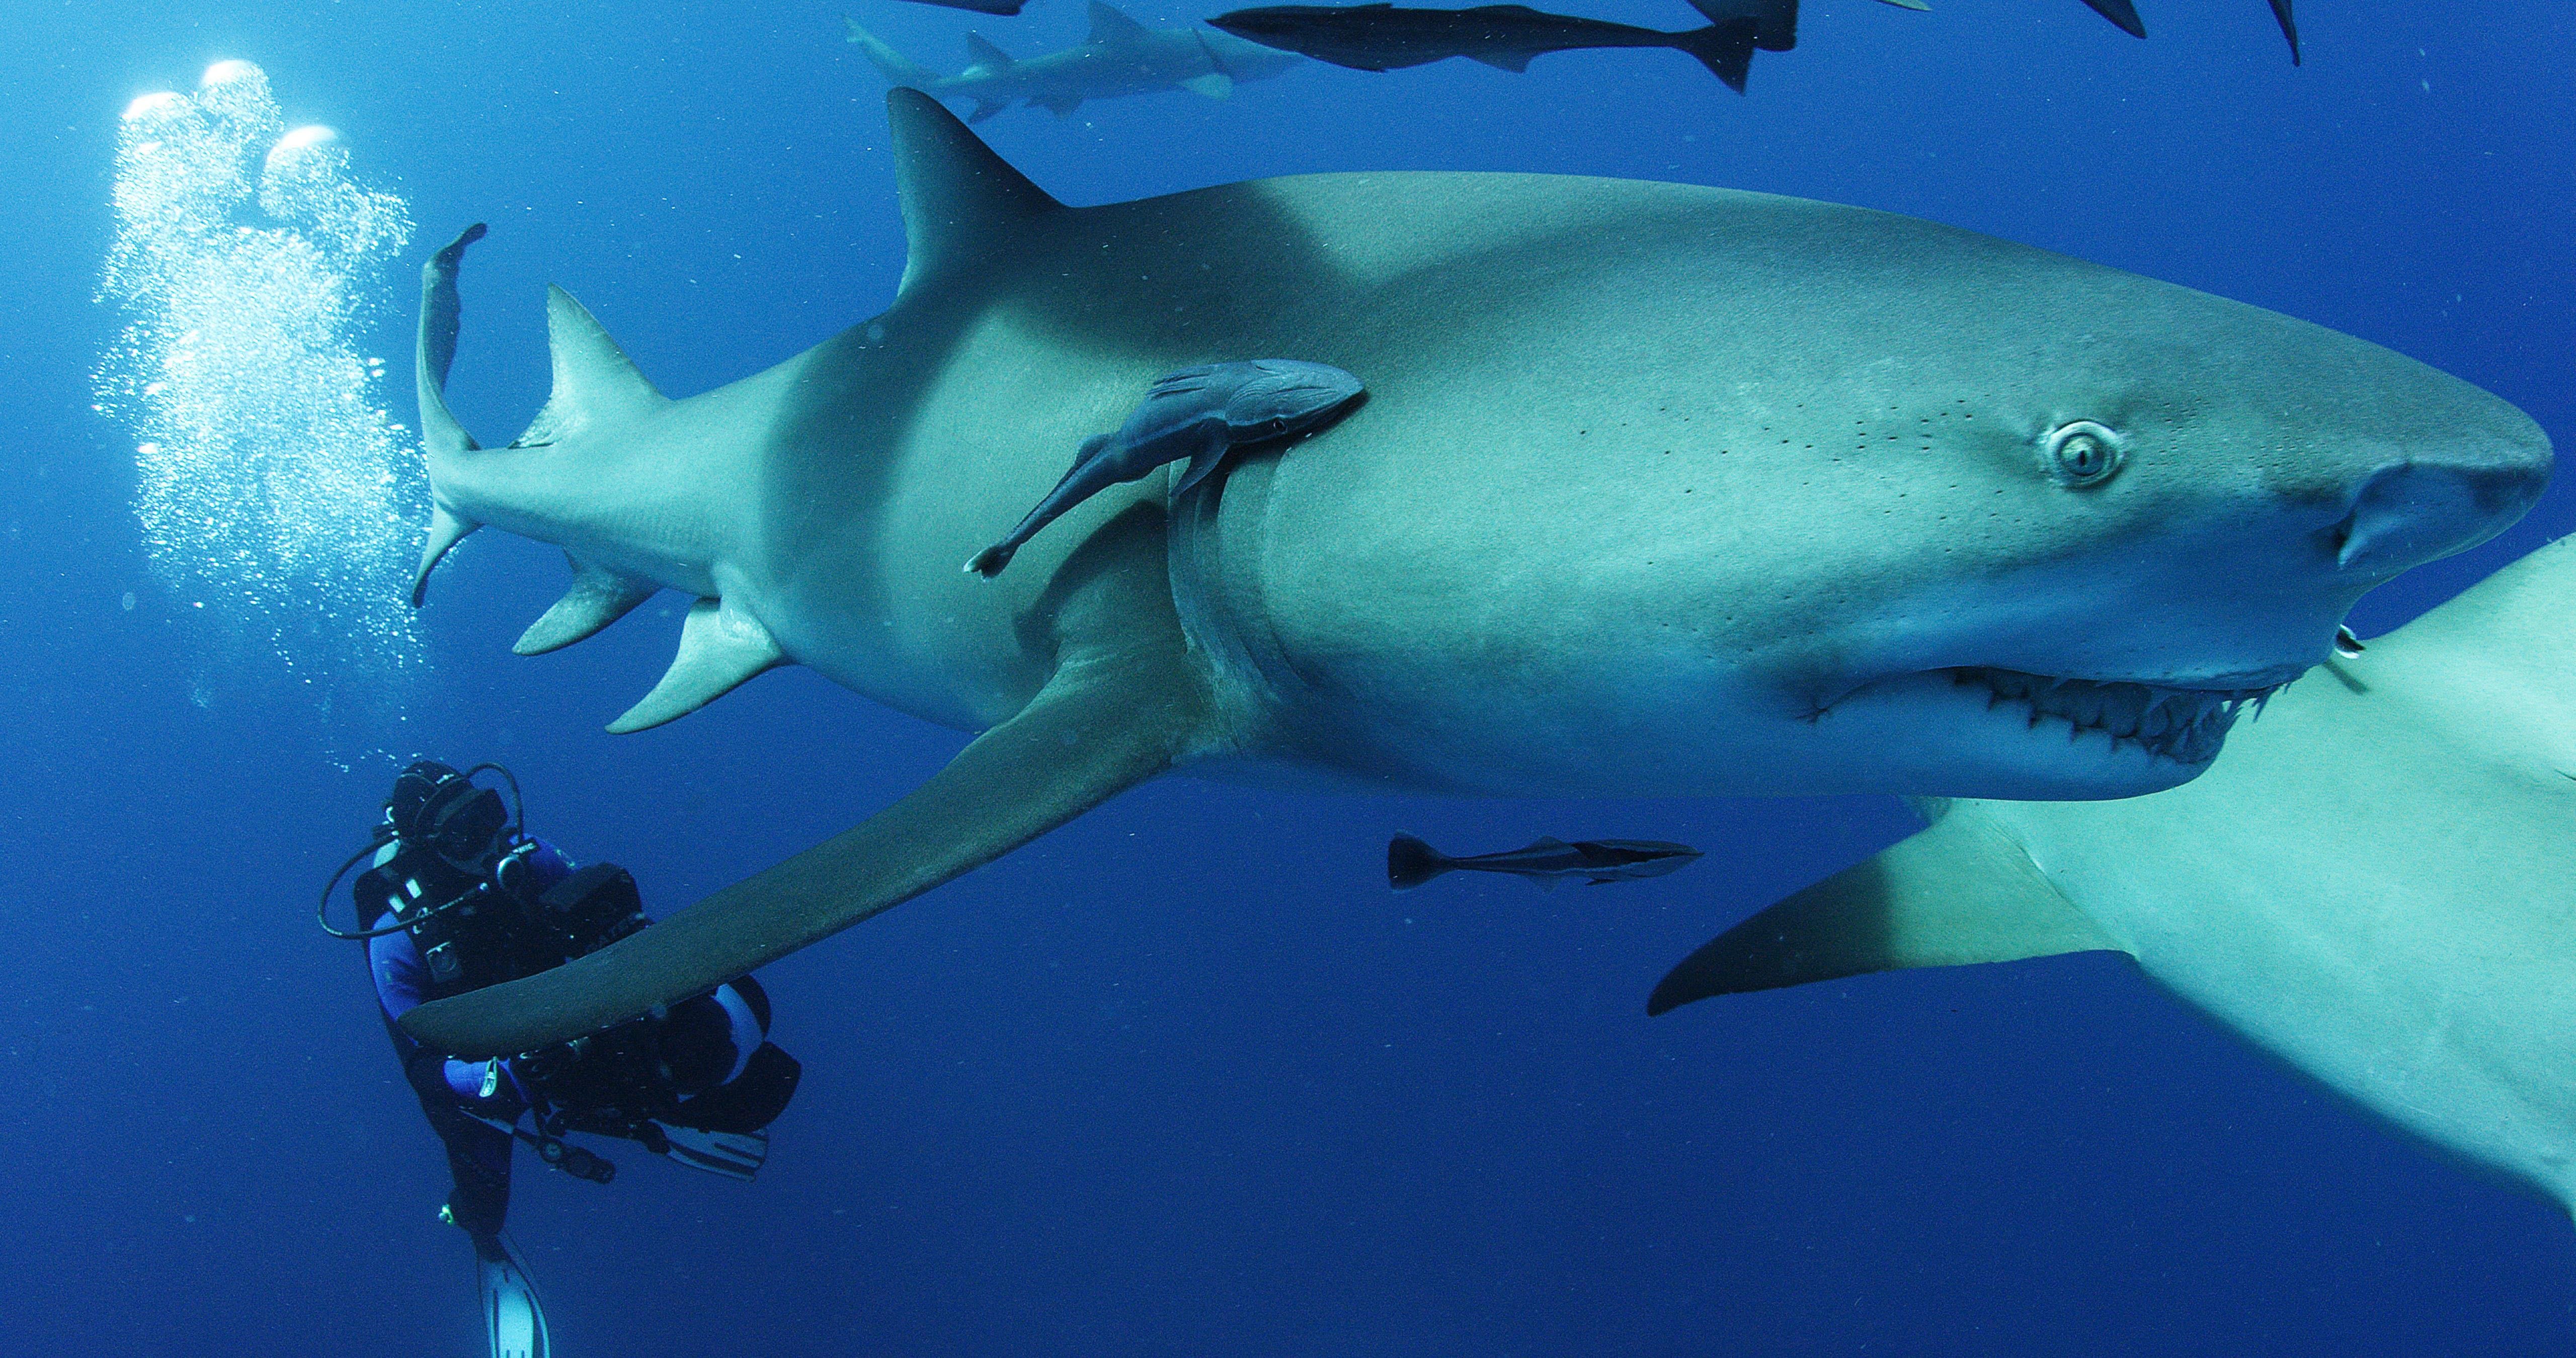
{"x": 1183, "y": 1078}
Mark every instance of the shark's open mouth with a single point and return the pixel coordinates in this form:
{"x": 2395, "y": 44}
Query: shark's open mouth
{"x": 2187, "y": 725}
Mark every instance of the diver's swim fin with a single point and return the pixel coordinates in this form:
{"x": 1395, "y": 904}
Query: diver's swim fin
{"x": 511, "y": 1316}
{"x": 735, "y": 1155}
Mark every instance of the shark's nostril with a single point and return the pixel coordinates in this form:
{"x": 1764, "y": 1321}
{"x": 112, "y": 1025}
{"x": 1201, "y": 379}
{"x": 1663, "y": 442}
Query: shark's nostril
{"x": 2411, "y": 513}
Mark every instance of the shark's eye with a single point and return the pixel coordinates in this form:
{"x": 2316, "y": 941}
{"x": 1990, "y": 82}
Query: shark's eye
{"x": 2083, "y": 454}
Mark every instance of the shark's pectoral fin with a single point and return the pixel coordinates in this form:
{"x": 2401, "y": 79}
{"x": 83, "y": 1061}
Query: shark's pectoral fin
{"x": 1960, "y": 892}
{"x": 598, "y": 597}
{"x": 720, "y": 647}
{"x": 1108, "y": 720}
{"x": 446, "y": 529}
{"x": 1215, "y": 84}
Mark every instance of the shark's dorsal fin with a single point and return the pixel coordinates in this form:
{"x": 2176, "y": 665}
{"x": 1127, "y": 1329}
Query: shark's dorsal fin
{"x": 720, "y": 647}
{"x": 960, "y": 201}
{"x": 595, "y": 382}
{"x": 983, "y": 55}
{"x": 1962, "y": 891}
{"x": 598, "y": 597}
{"x": 1111, "y": 28}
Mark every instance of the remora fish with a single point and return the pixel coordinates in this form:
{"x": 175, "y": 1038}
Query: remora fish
{"x": 1121, "y": 57}
{"x": 1199, "y": 413}
{"x": 2377, "y": 885}
{"x": 1659, "y": 490}
{"x": 1599, "y": 862}
{"x": 1380, "y": 37}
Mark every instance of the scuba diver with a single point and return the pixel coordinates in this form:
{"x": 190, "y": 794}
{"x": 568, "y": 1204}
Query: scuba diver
{"x": 457, "y": 896}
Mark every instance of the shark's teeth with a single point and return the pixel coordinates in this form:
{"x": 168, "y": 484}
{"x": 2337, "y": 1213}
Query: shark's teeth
{"x": 2187, "y": 725}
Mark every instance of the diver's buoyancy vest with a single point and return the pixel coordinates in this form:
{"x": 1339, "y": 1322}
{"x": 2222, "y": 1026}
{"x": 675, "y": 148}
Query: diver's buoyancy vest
{"x": 508, "y": 930}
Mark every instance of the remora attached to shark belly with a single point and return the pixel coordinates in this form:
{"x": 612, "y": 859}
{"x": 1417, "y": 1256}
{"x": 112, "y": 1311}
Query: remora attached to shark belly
{"x": 1659, "y": 490}
{"x": 2377, "y": 884}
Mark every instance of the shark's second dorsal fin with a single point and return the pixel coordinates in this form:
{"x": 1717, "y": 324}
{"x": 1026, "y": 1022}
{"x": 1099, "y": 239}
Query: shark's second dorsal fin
{"x": 961, "y": 202}
{"x": 595, "y": 382}
{"x": 1962, "y": 891}
{"x": 984, "y": 56}
{"x": 1112, "y": 28}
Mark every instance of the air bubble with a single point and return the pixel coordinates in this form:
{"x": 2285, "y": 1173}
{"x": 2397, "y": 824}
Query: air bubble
{"x": 250, "y": 272}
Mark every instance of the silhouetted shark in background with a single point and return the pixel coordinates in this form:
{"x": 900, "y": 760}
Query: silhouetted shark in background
{"x": 1120, "y": 57}
{"x": 1382, "y": 37}
{"x": 2125, "y": 14}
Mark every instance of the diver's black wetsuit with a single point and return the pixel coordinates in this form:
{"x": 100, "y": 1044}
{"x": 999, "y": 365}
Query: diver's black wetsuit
{"x": 701, "y": 1064}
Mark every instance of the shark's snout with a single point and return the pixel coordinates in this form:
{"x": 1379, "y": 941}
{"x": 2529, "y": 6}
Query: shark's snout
{"x": 2412, "y": 512}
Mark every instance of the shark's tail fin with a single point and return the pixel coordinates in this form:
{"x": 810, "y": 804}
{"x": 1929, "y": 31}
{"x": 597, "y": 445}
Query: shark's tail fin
{"x": 897, "y": 68}
{"x": 1410, "y": 863}
{"x": 1725, "y": 49}
{"x": 440, "y": 434}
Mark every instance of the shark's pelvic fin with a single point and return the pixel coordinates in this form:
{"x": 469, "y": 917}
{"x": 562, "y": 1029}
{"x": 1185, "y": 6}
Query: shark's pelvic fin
{"x": 1126, "y": 703}
{"x": 1962, "y": 891}
{"x": 961, "y": 202}
{"x": 446, "y": 529}
{"x": 1214, "y": 85}
{"x": 598, "y": 597}
{"x": 720, "y": 647}
{"x": 1111, "y": 27}
{"x": 595, "y": 382}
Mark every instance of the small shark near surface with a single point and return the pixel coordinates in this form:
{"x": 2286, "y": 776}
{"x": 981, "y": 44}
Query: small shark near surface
{"x": 2376, "y": 884}
{"x": 1599, "y": 862}
{"x": 1381, "y": 37}
{"x": 1200, "y": 413}
{"x": 1119, "y": 58}
{"x": 1659, "y": 490}
{"x": 1002, "y": 8}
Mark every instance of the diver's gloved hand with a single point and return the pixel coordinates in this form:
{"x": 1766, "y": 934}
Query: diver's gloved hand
{"x": 545, "y": 1063}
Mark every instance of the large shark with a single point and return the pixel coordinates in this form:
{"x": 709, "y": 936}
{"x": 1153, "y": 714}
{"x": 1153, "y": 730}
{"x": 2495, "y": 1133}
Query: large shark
{"x": 1659, "y": 490}
{"x": 2376, "y": 884}
{"x": 1120, "y": 57}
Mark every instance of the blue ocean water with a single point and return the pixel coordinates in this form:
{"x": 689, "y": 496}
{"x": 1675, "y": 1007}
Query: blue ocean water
{"x": 1181, "y": 1078}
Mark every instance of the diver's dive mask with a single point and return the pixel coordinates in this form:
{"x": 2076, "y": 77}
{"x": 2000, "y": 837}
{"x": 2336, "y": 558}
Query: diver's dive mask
{"x": 436, "y": 808}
